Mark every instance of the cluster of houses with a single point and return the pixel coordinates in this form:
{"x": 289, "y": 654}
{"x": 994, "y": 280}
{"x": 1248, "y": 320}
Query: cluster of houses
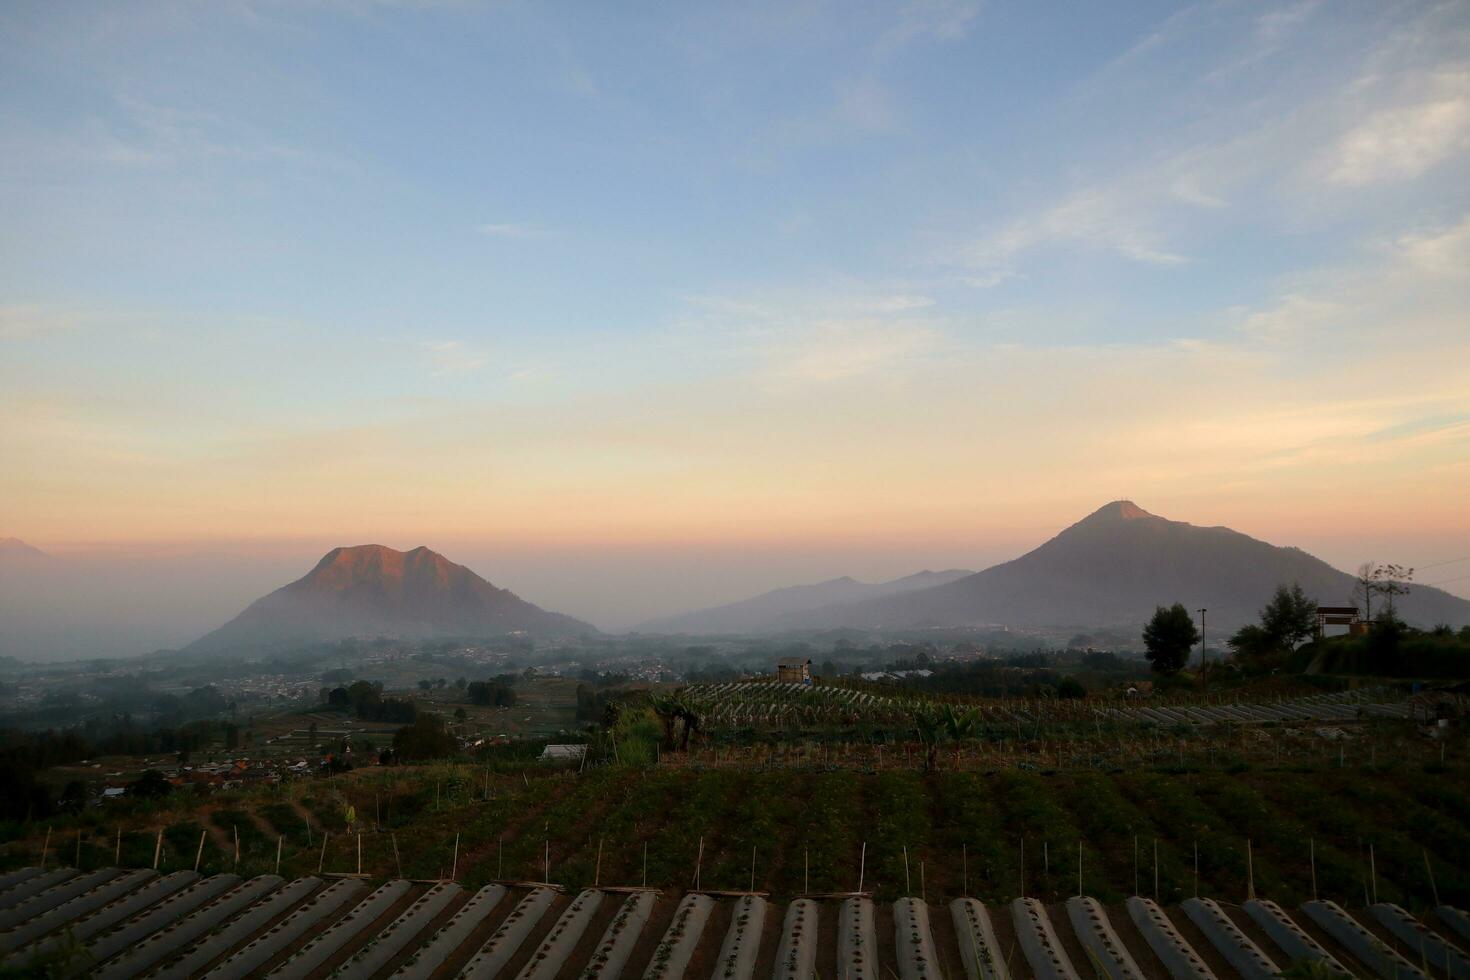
{"x": 230, "y": 774}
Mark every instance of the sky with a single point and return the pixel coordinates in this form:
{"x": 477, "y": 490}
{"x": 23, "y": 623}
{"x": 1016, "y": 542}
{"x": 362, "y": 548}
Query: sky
{"x": 634, "y": 308}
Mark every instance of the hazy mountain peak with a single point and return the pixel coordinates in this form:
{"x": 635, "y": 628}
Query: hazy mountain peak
{"x": 16, "y": 548}
{"x": 372, "y": 589}
{"x": 764, "y": 612}
{"x": 1111, "y": 569}
{"x": 1119, "y": 510}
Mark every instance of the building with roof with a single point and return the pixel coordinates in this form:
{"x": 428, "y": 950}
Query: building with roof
{"x": 794, "y": 670}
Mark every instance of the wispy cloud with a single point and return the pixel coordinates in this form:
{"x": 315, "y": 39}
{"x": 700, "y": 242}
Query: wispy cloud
{"x": 1110, "y": 218}
{"x": 820, "y": 334}
{"x": 1442, "y": 252}
{"x": 938, "y": 20}
{"x": 1398, "y": 110}
{"x": 838, "y": 350}
{"x": 452, "y": 357}
{"x": 1404, "y": 141}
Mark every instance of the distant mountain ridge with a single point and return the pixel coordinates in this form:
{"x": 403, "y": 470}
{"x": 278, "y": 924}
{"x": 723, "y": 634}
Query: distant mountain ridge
{"x": 15, "y": 548}
{"x": 371, "y": 590}
{"x": 1111, "y": 569}
{"x": 759, "y": 613}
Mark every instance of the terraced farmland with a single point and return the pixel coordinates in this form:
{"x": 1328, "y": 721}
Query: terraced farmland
{"x": 772, "y": 705}
{"x": 318, "y": 928}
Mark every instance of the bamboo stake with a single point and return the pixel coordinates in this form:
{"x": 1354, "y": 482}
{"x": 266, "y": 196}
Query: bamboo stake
{"x": 806, "y": 871}
{"x": 158, "y": 850}
{"x": 1373, "y": 872}
{"x": 396, "y": 862}
{"x": 907, "y": 888}
{"x": 1250, "y": 872}
{"x": 1312, "y": 857}
{"x": 280, "y": 841}
{"x": 454, "y": 865}
{"x": 79, "y": 849}
{"x": 1196, "y": 869}
{"x": 117, "y": 850}
{"x": 359, "y": 852}
{"x": 199, "y": 854}
{"x": 321, "y": 861}
{"x": 1156, "y": 869}
{"x": 546, "y": 863}
{"x": 1079, "y": 867}
{"x": 1023, "y": 867}
{"x": 1135, "y": 864}
{"x": 923, "y": 891}
{"x": 597, "y": 873}
{"x": 500, "y": 857}
{"x": 752, "y": 867}
{"x": 698, "y": 861}
{"x": 46, "y": 844}
{"x": 1434, "y": 889}
{"x": 862, "y": 866}
{"x": 965, "y": 866}
{"x": 237, "y": 847}
{"x": 645, "y": 864}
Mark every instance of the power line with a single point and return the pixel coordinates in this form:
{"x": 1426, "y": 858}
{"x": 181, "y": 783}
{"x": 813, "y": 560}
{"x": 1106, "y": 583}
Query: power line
{"x": 1450, "y": 561}
{"x": 1457, "y": 578}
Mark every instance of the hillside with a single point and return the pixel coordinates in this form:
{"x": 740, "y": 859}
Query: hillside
{"x": 371, "y": 590}
{"x": 1112, "y": 569}
{"x": 761, "y": 613}
{"x": 16, "y": 550}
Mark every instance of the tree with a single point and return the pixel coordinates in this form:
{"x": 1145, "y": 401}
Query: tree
{"x": 1363, "y": 589}
{"x": 958, "y": 726}
{"x": 424, "y": 685}
{"x": 1386, "y": 580}
{"x": 1390, "y": 581}
{"x": 1253, "y": 644}
{"x": 1168, "y": 637}
{"x": 152, "y": 785}
{"x": 424, "y": 739}
{"x": 491, "y": 692}
{"x": 459, "y": 715}
{"x": 930, "y": 728}
{"x": 680, "y": 721}
{"x": 1290, "y": 617}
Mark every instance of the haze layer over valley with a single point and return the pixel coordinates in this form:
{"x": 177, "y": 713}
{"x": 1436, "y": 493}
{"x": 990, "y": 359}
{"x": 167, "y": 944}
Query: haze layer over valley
{"x": 1108, "y": 570}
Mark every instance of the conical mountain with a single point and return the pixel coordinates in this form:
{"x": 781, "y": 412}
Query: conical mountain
{"x": 371, "y": 590}
{"x": 1111, "y": 569}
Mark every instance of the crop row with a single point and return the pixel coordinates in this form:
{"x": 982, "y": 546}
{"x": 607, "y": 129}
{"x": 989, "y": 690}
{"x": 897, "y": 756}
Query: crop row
{"x": 306, "y": 927}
